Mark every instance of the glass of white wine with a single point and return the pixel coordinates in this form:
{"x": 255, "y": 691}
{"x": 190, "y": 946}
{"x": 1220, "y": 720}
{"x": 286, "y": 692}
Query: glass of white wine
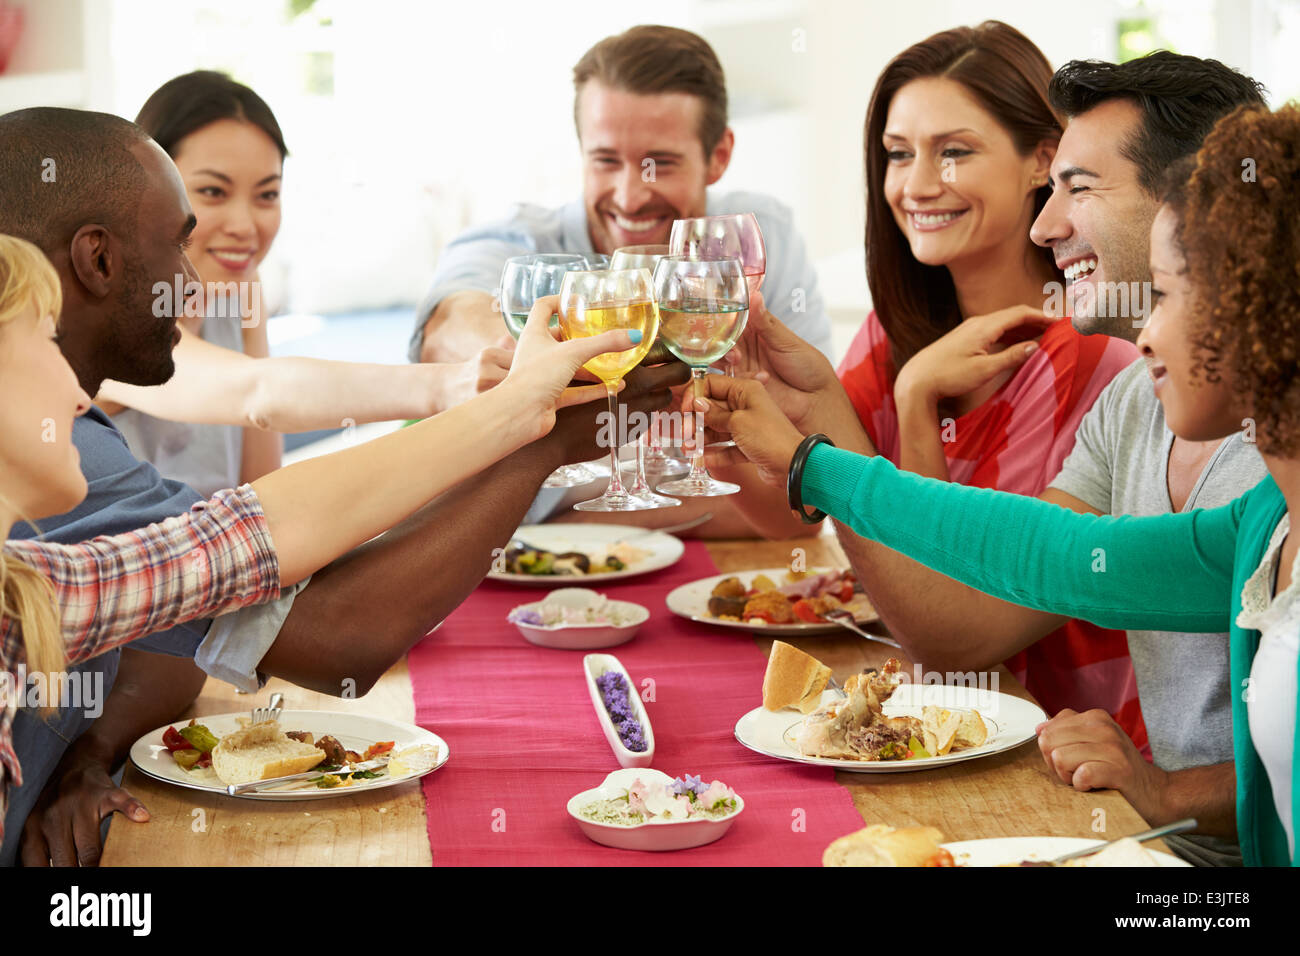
{"x": 651, "y": 461}
{"x": 703, "y": 307}
{"x": 524, "y": 280}
{"x": 596, "y": 302}
{"x": 723, "y": 237}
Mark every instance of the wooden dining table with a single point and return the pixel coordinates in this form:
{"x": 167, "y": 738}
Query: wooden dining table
{"x": 1004, "y": 795}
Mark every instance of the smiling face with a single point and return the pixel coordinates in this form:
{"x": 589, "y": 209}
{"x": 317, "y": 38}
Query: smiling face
{"x": 957, "y": 186}
{"x": 143, "y": 322}
{"x": 40, "y": 465}
{"x": 643, "y": 163}
{"x": 1195, "y": 409}
{"x": 1098, "y": 220}
{"x": 232, "y": 172}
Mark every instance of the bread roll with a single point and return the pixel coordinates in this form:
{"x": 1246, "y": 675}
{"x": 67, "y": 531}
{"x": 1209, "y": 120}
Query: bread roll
{"x": 260, "y": 752}
{"x": 939, "y": 728}
{"x": 881, "y": 845}
{"x": 793, "y": 679}
{"x": 972, "y": 732}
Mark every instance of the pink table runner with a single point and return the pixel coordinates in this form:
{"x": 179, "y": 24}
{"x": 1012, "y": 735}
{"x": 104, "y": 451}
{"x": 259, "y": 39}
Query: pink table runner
{"x": 524, "y": 736}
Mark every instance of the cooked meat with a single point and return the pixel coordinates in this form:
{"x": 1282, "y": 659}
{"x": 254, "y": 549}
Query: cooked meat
{"x": 335, "y": 752}
{"x": 299, "y": 735}
{"x": 729, "y": 588}
{"x": 771, "y": 605}
{"x": 727, "y": 606}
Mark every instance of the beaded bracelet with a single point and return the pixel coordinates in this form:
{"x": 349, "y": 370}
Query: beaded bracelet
{"x": 794, "y": 482}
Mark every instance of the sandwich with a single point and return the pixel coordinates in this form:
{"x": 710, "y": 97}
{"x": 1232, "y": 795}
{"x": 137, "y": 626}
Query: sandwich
{"x": 262, "y": 751}
{"x": 881, "y": 845}
{"x": 793, "y": 679}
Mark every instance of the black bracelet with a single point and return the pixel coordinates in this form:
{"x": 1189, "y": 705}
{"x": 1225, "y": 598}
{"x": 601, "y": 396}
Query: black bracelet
{"x": 794, "y": 481}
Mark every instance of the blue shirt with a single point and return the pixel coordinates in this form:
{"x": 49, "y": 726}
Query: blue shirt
{"x": 123, "y": 494}
{"x": 474, "y": 259}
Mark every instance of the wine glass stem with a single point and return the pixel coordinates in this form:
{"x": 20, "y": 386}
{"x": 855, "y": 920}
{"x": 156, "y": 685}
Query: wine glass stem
{"x": 698, "y": 471}
{"x": 615, "y": 488}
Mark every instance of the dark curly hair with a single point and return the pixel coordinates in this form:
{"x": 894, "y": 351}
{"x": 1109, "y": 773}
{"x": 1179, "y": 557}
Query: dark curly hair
{"x": 1237, "y": 206}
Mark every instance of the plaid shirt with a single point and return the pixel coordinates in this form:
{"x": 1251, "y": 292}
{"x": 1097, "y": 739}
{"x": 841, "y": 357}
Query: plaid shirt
{"x": 217, "y": 558}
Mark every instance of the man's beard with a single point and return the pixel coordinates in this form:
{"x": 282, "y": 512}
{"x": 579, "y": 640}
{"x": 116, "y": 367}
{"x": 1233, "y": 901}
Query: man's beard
{"x": 141, "y": 342}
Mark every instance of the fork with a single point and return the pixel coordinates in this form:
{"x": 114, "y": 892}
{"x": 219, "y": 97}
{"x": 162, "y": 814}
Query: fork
{"x": 272, "y": 712}
{"x": 845, "y": 619}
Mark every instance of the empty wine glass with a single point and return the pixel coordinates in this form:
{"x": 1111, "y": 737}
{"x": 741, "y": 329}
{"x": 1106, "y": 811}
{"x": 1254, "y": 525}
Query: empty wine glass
{"x": 596, "y": 302}
{"x": 703, "y": 307}
{"x": 723, "y": 237}
{"x": 524, "y": 280}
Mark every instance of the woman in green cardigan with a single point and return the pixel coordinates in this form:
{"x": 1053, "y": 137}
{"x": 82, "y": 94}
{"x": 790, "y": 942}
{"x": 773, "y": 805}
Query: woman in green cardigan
{"x": 1223, "y": 348}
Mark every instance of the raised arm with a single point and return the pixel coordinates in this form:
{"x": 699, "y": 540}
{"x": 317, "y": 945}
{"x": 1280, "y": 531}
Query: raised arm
{"x": 1166, "y": 572}
{"x": 219, "y": 386}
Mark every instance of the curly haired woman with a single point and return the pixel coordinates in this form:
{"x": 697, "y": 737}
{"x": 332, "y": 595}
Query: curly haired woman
{"x": 1222, "y": 348}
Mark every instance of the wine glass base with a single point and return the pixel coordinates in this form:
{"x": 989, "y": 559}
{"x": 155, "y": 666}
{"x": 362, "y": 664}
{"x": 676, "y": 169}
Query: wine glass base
{"x": 623, "y": 503}
{"x": 657, "y": 501}
{"x": 657, "y": 472}
{"x": 570, "y": 476}
{"x": 699, "y": 488}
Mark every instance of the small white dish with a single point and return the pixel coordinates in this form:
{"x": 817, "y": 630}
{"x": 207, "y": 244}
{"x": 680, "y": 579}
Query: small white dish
{"x": 581, "y": 637}
{"x": 653, "y": 835}
{"x": 596, "y": 665}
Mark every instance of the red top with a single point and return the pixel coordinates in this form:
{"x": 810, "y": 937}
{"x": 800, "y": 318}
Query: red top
{"x": 1017, "y": 441}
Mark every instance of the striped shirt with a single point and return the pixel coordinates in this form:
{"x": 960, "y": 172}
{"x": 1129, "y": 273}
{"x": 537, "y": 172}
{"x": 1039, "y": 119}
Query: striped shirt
{"x": 218, "y": 557}
{"x": 1016, "y": 441}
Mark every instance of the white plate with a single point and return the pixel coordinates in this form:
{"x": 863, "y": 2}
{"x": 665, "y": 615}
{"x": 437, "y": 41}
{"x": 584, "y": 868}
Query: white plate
{"x": 353, "y": 731}
{"x": 999, "y": 850}
{"x": 664, "y": 550}
{"x": 654, "y": 835}
{"x": 692, "y": 601}
{"x": 1010, "y": 720}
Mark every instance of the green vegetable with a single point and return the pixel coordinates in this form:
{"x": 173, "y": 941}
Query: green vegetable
{"x": 614, "y": 564}
{"x": 186, "y": 759}
{"x": 366, "y": 774}
{"x": 537, "y": 562}
{"x": 915, "y": 746}
{"x": 327, "y": 782}
{"x": 198, "y": 735}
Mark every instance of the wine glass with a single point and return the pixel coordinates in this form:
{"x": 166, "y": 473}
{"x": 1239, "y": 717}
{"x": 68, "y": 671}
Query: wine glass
{"x": 596, "y": 302}
{"x": 524, "y": 280}
{"x": 638, "y": 257}
{"x": 723, "y": 237}
{"x": 598, "y": 262}
{"x": 650, "y": 457}
{"x": 703, "y": 307}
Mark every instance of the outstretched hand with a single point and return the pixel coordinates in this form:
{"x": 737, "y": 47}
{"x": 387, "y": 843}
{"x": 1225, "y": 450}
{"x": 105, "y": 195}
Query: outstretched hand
{"x": 743, "y": 409}
{"x": 544, "y": 364}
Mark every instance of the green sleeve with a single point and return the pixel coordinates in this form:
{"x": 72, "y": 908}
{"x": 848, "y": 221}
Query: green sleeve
{"x": 1159, "y": 573}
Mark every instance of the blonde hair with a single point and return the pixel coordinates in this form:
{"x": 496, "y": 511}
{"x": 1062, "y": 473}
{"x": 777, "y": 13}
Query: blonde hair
{"x": 27, "y": 281}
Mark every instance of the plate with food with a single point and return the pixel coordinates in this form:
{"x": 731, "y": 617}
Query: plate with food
{"x": 1038, "y": 850}
{"x": 328, "y": 753}
{"x": 878, "y": 722}
{"x": 562, "y": 555}
{"x": 774, "y": 600}
{"x": 882, "y": 845}
{"x": 645, "y": 809}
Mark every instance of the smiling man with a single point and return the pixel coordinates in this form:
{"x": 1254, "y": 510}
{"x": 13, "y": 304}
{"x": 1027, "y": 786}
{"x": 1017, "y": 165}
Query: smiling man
{"x": 651, "y": 115}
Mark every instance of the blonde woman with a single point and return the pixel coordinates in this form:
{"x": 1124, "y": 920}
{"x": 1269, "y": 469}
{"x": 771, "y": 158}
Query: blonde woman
{"x": 67, "y": 603}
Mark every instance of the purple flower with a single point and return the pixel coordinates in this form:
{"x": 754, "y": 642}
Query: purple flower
{"x": 525, "y": 616}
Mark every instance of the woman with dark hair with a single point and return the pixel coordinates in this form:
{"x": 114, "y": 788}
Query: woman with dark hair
{"x": 1220, "y": 349}
{"x": 958, "y": 139}
{"x": 220, "y": 417}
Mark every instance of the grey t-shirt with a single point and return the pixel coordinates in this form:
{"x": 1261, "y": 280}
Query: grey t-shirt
{"x": 1119, "y": 466}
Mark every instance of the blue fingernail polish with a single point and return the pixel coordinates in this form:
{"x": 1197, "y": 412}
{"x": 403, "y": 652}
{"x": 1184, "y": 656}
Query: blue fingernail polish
{"x": 635, "y": 335}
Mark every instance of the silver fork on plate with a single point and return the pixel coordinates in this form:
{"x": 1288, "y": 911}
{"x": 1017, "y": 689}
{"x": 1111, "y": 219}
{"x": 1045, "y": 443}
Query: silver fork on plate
{"x": 845, "y": 619}
{"x": 272, "y": 712}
